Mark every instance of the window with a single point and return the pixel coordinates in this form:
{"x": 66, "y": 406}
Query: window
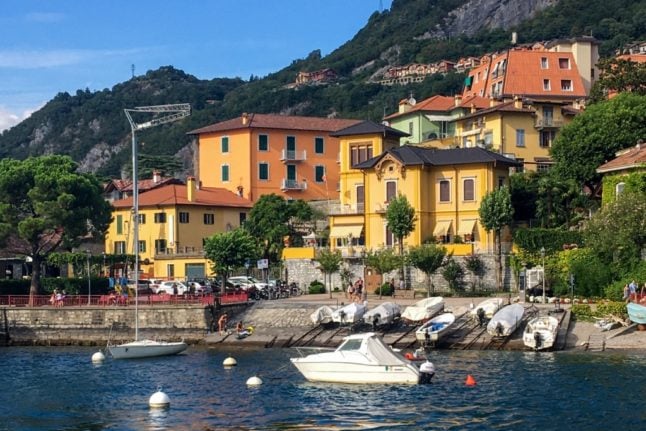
{"x": 160, "y": 217}
{"x": 225, "y": 173}
{"x": 319, "y": 145}
{"x": 119, "y": 247}
{"x": 142, "y": 218}
{"x": 119, "y": 224}
{"x": 263, "y": 143}
{"x": 242, "y": 218}
{"x": 445, "y": 191}
{"x": 361, "y": 197}
{"x": 142, "y": 246}
{"x": 488, "y": 139}
{"x": 544, "y": 63}
{"x": 542, "y": 167}
{"x": 501, "y": 182}
{"x": 209, "y": 218}
{"x": 183, "y": 217}
{"x": 564, "y": 63}
{"x": 521, "y": 168}
{"x": 224, "y": 144}
{"x": 410, "y": 128}
{"x": 469, "y": 189}
{"x": 360, "y": 153}
{"x": 520, "y": 137}
{"x": 391, "y": 190}
{"x": 566, "y": 84}
{"x": 547, "y": 138}
{"x": 546, "y": 85}
{"x": 319, "y": 173}
{"x": 170, "y": 270}
{"x": 619, "y": 188}
{"x": 160, "y": 246}
{"x": 263, "y": 171}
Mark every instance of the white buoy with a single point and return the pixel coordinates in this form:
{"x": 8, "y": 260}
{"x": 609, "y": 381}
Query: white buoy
{"x": 98, "y": 357}
{"x": 230, "y": 362}
{"x": 159, "y": 400}
{"x": 254, "y": 381}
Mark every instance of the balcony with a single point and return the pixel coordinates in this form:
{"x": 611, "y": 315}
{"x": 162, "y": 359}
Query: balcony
{"x": 293, "y": 185}
{"x": 179, "y": 252}
{"x": 548, "y": 123}
{"x": 293, "y": 156}
{"x": 381, "y": 207}
{"x": 346, "y": 209}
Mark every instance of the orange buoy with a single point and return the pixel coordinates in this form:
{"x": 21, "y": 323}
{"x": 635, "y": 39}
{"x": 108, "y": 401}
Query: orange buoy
{"x": 409, "y": 356}
{"x": 470, "y": 380}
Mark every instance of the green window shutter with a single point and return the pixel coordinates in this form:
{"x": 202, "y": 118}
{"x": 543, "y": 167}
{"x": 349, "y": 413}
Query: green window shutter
{"x": 119, "y": 224}
{"x": 319, "y": 146}
{"x": 263, "y": 171}
{"x": 225, "y": 172}
{"x": 225, "y": 144}
{"x": 319, "y": 172}
{"x": 263, "y": 143}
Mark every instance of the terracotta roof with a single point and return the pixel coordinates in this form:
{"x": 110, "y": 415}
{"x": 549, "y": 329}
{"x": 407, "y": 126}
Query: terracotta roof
{"x": 144, "y": 185}
{"x": 413, "y": 155}
{"x": 631, "y": 158}
{"x": 636, "y": 58}
{"x": 270, "y": 121}
{"x": 174, "y": 194}
{"x": 477, "y": 101}
{"x": 369, "y": 128}
{"x": 433, "y": 103}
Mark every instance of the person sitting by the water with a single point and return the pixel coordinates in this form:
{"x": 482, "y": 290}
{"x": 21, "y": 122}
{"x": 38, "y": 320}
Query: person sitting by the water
{"x": 242, "y": 332}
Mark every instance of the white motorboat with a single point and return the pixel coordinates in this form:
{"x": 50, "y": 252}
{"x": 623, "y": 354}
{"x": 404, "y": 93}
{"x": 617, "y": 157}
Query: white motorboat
{"x": 540, "y": 332}
{"x": 489, "y": 307}
{"x": 146, "y": 349}
{"x": 322, "y": 315}
{"x": 383, "y": 314}
{"x": 506, "y": 320}
{"x": 361, "y": 358}
{"x": 432, "y": 331}
{"x": 351, "y": 313}
{"x": 423, "y": 310}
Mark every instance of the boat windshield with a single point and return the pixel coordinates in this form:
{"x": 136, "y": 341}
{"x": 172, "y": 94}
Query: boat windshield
{"x": 351, "y": 345}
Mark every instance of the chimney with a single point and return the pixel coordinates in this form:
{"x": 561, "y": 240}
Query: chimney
{"x": 473, "y": 108}
{"x": 245, "y": 118}
{"x": 492, "y": 102}
{"x": 518, "y": 102}
{"x": 156, "y": 176}
{"x": 458, "y": 100}
{"x": 190, "y": 189}
{"x": 404, "y": 106}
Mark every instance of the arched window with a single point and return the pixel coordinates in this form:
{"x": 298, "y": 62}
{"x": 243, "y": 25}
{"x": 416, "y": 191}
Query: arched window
{"x": 619, "y": 188}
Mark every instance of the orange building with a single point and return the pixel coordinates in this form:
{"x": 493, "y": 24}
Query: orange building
{"x": 258, "y": 154}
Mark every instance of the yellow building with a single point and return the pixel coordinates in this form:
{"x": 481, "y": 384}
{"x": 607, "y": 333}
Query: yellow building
{"x": 174, "y": 220}
{"x": 516, "y": 130}
{"x": 445, "y": 187}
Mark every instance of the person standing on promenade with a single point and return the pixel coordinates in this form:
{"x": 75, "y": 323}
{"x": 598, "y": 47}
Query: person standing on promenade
{"x": 391, "y": 285}
{"x": 222, "y": 323}
{"x": 632, "y": 288}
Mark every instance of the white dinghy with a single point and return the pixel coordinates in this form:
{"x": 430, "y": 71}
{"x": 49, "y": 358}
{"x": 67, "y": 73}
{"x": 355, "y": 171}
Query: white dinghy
{"x": 383, "y": 314}
{"x": 489, "y": 307}
{"x": 432, "y": 331}
{"x": 322, "y": 315}
{"x": 423, "y": 310}
{"x": 506, "y": 320}
{"x": 540, "y": 332}
{"x": 361, "y": 358}
{"x": 351, "y": 313}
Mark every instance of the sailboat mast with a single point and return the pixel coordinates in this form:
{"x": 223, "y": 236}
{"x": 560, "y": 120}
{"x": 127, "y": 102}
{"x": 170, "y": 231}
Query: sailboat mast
{"x": 135, "y": 224}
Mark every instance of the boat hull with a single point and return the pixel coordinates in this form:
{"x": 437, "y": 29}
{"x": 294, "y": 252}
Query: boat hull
{"x": 434, "y": 329}
{"x": 506, "y": 320}
{"x": 636, "y": 313}
{"x": 540, "y": 333}
{"x": 356, "y": 373}
{"x": 146, "y": 349}
{"x": 423, "y": 310}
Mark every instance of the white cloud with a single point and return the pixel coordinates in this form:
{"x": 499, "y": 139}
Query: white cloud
{"x": 15, "y": 59}
{"x": 9, "y": 119}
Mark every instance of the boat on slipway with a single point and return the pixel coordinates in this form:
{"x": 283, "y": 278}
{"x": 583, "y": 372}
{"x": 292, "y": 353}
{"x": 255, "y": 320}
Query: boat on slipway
{"x": 322, "y": 315}
{"x": 432, "y": 331}
{"x": 506, "y": 320}
{"x": 423, "y": 310}
{"x": 383, "y": 314}
{"x": 489, "y": 307}
{"x": 362, "y": 358}
{"x": 636, "y": 313}
{"x": 351, "y": 313}
{"x": 540, "y": 332}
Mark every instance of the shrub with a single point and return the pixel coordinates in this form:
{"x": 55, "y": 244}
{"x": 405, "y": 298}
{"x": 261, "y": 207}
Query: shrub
{"x": 453, "y": 274}
{"x": 316, "y": 287}
{"x": 612, "y": 309}
{"x": 582, "y": 311}
{"x": 385, "y": 290}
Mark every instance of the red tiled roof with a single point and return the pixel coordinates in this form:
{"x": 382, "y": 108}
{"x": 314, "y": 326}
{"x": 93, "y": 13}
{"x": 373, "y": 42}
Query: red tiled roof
{"x": 433, "y": 103}
{"x": 636, "y": 58}
{"x": 477, "y": 101}
{"x": 175, "y": 194}
{"x": 632, "y": 158}
{"x": 285, "y": 122}
{"x": 144, "y": 185}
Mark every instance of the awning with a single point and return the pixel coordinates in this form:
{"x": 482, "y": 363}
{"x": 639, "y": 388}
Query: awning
{"x": 466, "y": 227}
{"x": 441, "y": 228}
{"x": 345, "y": 231}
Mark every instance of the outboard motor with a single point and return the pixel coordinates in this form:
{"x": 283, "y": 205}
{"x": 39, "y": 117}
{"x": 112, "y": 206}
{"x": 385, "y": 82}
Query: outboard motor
{"x": 426, "y": 372}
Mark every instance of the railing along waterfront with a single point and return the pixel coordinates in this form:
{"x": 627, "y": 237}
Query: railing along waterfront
{"x": 123, "y": 301}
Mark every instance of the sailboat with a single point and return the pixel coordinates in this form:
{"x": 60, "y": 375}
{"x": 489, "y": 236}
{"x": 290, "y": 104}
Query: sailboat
{"x": 145, "y": 348}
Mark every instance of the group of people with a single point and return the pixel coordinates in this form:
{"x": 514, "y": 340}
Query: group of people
{"x": 57, "y": 298}
{"x": 357, "y": 292}
{"x": 241, "y": 331}
{"x": 630, "y": 292}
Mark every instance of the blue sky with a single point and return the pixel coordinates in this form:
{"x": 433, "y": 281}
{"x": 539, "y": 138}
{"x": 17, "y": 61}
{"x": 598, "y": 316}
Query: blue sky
{"x": 50, "y": 46}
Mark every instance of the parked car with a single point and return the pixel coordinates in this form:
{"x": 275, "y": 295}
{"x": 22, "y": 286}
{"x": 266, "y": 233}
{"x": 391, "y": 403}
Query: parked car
{"x": 245, "y": 282}
{"x": 143, "y": 287}
{"x": 199, "y": 288}
{"x": 168, "y": 287}
{"x": 154, "y": 284}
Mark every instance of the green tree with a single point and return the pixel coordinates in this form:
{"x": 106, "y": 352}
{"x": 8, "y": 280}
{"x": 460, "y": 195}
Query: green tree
{"x": 400, "y": 218}
{"x": 453, "y": 273}
{"x": 329, "y": 263}
{"x": 619, "y": 76}
{"x": 230, "y": 250}
{"x": 474, "y": 264}
{"x": 383, "y": 261}
{"x": 617, "y": 233}
{"x": 594, "y": 137}
{"x": 46, "y": 205}
{"x": 496, "y": 212}
{"x": 428, "y": 258}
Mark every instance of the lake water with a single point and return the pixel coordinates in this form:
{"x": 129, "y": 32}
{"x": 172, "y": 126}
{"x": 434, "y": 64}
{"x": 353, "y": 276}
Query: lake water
{"x": 60, "y": 389}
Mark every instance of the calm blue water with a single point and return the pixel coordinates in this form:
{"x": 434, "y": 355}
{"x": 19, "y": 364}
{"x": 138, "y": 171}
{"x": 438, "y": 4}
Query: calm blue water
{"x": 60, "y": 389}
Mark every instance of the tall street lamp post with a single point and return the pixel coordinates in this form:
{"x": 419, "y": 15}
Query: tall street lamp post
{"x": 543, "y": 263}
{"x": 89, "y": 283}
{"x": 105, "y": 273}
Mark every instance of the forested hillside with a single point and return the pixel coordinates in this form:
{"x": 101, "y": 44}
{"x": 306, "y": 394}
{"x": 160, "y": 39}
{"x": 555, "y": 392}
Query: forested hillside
{"x": 91, "y": 127}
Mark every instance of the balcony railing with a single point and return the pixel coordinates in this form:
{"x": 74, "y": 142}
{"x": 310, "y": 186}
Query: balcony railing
{"x": 293, "y": 185}
{"x": 293, "y": 156}
{"x": 546, "y": 123}
{"x": 172, "y": 252}
{"x": 342, "y": 209}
